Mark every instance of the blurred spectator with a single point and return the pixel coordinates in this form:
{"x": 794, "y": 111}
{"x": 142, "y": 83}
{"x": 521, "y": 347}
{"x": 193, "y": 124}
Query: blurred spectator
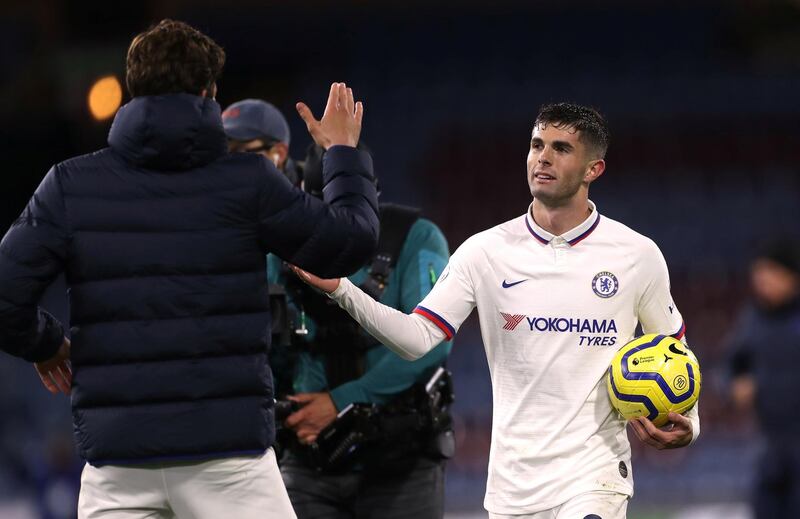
{"x": 764, "y": 356}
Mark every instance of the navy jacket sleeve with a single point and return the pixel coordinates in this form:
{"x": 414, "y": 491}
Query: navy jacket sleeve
{"x": 330, "y": 238}
{"x": 32, "y": 254}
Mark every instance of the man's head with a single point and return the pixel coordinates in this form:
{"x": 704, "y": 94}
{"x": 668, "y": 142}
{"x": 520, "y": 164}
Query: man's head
{"x": 256, "y": 126}
{"x": 568, "y": 145}
{"x": 775, "y": 274}
{"x": 173, "y": 57}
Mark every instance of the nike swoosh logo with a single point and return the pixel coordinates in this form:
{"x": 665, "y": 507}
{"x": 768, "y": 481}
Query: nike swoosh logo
{"x": 673, "y": 349}
{"x": 509, "y": 285}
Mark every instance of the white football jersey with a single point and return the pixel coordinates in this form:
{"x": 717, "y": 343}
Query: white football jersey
{"x": 553, "y": 312}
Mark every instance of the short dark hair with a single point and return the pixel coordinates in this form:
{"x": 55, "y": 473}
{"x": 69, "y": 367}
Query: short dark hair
{"x": 785, "y": 252}
{"x": 588, "y": 121}
{"x": 172, "y": 57}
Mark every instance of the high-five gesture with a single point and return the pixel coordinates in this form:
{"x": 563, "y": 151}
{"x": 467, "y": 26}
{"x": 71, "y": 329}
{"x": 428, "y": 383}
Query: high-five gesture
{"x": 341, "y": 122}
{"x": 325, "y": 285}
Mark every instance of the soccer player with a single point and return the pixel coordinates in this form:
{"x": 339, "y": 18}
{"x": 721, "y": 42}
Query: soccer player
{"x": 558, "y": 290}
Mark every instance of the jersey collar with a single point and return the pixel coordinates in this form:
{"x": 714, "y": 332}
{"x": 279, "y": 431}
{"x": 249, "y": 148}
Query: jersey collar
{"x": 573, "y": 236}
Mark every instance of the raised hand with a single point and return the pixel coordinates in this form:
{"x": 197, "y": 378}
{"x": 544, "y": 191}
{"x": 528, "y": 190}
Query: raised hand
{"x": 341, "y": 122}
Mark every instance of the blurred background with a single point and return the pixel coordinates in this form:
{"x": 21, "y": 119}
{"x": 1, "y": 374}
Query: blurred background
{"x": 703, "y": 102}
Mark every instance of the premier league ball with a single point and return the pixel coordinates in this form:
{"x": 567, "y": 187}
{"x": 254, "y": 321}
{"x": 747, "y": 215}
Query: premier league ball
{"x": 652, "y": 376}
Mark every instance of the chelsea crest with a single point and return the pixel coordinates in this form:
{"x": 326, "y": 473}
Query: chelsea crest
{"x": 605, "y": 284}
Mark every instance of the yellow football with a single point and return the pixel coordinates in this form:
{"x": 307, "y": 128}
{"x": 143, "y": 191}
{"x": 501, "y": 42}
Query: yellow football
{"x": 652, "y": 376}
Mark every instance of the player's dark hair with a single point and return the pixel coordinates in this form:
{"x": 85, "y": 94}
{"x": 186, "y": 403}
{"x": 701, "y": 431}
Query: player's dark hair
{"x": 172, "y": 57}
{"x": 568, "y": 116}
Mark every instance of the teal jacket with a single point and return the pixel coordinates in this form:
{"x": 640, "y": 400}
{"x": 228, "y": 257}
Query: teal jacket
{"x": 421, "y": 261}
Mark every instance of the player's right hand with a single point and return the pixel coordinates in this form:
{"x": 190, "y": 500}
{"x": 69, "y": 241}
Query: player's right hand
{"x": 55, "y": 372}
{"x": 325, "y": 285}
{"x": 341, "y": 122}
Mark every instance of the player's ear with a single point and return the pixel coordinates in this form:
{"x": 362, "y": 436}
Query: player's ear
{"x": 595, "y": 169}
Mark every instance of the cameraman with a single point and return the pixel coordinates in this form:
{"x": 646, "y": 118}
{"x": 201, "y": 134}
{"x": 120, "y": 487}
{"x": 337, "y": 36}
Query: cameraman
{"x": 255, "y": 126}
{"x": 326, "y": 376}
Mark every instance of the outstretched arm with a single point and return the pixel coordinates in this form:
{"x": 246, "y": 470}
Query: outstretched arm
{"x": 420, "y": 264}
{"x": 409, "y": 335}
{"x": 435, "y": 319}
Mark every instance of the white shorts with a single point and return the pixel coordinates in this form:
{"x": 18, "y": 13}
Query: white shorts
{"x": 591, "y": 505}
{"x": 243, "y": 487}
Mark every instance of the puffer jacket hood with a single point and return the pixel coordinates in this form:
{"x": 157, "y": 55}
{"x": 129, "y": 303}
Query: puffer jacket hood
{"x": 169, "y": 132}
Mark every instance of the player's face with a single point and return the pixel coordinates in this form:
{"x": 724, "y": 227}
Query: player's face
{"x": 559, "y": 165}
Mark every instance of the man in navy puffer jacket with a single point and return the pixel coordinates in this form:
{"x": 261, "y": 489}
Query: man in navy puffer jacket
{"x": 163, "y": 238}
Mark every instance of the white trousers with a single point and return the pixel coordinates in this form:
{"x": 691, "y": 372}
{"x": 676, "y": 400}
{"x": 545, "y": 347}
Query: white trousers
{"x": 242, "y": 487}
{"x": 591, "y": 505}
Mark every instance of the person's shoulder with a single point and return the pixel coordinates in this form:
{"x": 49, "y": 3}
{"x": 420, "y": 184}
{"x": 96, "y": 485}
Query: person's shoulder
{"x": 489, "y": 242}
{"x": 423, "y": 225}
{"x": 749, "y": 316}
{"x": 506, "y": 233}
{"x": 422, "y": 239}
{"x": 85, "y": 169}
{"x": 424, "y": 230}
{"x": 87, "y": 162}
{"x": 621, "y": 234}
